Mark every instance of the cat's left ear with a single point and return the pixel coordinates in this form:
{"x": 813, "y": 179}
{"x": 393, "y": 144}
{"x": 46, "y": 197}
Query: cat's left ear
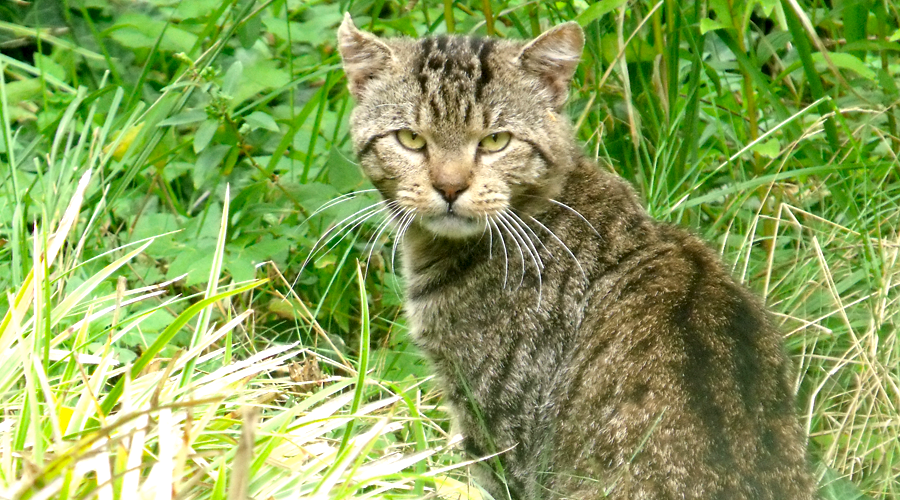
{"x": 553, "y": 57}
{"x": 364, "y": 55}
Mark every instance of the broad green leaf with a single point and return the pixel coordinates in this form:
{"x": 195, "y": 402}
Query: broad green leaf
{"x": 204, "y": 134}
{"x": 139, "y": 31}
{"x": 258, "y": 119}
{"x": 257, "y": 76}
{"x": 232, "y": 78}
{"x": 208, "y": 163}
{"x": 769, "y": 149}
{"x": 846, "y": 61}
{"x": 343, "y": 174}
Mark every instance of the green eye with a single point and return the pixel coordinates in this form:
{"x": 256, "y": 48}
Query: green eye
{"x": 495, "y": 142}
{"x": 410, "y": 139}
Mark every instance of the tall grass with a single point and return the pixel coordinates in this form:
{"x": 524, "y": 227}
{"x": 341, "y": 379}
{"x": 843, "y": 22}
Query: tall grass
{"x": 160, "y": 171}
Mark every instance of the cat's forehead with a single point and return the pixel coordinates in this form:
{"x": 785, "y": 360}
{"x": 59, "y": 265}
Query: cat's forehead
{"x": 453, "y": 63}
{"x": 450, "y": 78}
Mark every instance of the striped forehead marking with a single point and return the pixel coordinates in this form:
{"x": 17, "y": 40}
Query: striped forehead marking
{"x": 460, "y": 61}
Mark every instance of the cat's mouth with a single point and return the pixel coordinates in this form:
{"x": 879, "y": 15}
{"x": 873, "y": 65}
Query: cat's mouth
{"x": 453, "y": 225}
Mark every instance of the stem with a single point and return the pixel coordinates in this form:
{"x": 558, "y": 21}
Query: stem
{"x": 488, "y": 16}
{"x": 448, "y": 16}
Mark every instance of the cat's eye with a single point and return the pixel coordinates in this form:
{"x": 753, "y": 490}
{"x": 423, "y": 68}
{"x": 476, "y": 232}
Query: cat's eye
{"x": 495, "y": 142}
{"x": 410, "y": 139}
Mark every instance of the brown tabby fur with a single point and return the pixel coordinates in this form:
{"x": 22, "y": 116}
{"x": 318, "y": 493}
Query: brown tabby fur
{"x": 602, "y": 353}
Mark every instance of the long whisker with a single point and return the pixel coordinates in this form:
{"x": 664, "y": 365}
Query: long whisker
{"x": 348, "y": 229}
{"x": 534, "y": 236}
{"x": 532, "y": 251}
{"x": 563, "y": 245}
{"x": 567, "y": 207}
{"x": 343, "y": 228}
{"x": 394, "y": 212}
{"x": 490, "y": 230}
{"x": 340, "y": 199}
{"x": 493, "y": 222}
{"x": 338, "y": 227}
{"x": 402, "y": 226}
{"x": 518, "y": 223}
{"x": 513, "y": 236}
{"x": 333, "y": 231}
{"x": 400, "y": 229}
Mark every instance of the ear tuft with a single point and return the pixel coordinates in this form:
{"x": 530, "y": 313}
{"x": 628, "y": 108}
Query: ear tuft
{"x": 364, "y": 55}
{"x": 553, "y": 57}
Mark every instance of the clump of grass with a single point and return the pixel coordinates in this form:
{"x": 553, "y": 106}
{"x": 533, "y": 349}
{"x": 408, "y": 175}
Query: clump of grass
{"x": 195, "y": 421}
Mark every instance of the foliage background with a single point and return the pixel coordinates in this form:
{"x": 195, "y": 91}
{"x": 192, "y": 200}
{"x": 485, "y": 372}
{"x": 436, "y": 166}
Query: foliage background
{"x": 213, "y": 131}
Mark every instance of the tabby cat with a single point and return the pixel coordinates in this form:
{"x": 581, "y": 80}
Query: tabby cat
{"x": 597, "y": 352}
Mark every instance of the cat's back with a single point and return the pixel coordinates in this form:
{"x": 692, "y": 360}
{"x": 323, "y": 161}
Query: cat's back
{"x": 676, "y": 374}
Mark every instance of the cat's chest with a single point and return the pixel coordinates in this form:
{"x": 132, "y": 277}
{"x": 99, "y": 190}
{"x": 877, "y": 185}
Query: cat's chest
{"x": 486, "y": 309}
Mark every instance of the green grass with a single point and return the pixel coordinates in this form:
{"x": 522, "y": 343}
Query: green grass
{"x": 159, "y": 171}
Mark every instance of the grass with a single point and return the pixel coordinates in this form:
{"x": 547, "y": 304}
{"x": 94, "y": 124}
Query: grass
{"x": 162, "y": 167}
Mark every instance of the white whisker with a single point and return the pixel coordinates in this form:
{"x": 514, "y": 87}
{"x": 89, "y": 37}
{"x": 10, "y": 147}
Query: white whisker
{"x": 532, "y": 251}
{"x": 513, "y": 236}
{"x": 493, "y": 222}
{"x": 402, "y": 226}
{"x": 517, "y": 222}
{"x": 394, "y": 212}
{"x": 337, "y": 201}
{"x": 567, "y": 207}
{"x": 348, "y": 229}
{"x": 339, "y": 227}
{"x": 563, "y": 245}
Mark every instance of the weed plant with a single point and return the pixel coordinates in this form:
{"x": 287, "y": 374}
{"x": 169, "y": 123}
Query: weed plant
{"x": 181, "y": 320}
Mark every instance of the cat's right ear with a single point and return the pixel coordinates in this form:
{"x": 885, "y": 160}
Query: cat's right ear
{"x": 364, "y": 55}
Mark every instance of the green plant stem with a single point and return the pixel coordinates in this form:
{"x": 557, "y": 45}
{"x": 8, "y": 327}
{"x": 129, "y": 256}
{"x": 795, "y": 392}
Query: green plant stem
{"x": 804, "y": 50}
{"x": 448, "y": 16}
{"x": 488, "y": 16}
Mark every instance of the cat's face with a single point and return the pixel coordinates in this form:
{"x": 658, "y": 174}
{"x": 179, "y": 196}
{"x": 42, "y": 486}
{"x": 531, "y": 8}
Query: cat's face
{"x": 457, "y": 131}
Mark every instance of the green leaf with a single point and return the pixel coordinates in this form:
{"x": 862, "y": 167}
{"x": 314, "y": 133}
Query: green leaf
{"x": 597, "y": 10}
{"x": 707, "y": 25}
{"x": 258, "y": 119}
{"x": 846, "y": 61}
{"x": 192, "y": 116}
{"x": 343, "y": 174}
{"x": 48, "y": 66}
{"x": 232, "y": 80}
{"x": 769, "y": 149}
{"x": 257, "y": 76}
{"x": 208, "y": 162}
{"x": 193, "y": 260}
{"x": 312, "y": 195}
{"x": 23, "y": 90}
{"x": 205, "y": 133}
{"x": 139, "y": 31}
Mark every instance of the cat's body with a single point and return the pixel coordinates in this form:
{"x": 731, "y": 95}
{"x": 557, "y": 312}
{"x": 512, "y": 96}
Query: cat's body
{"x": 601, "y": 353}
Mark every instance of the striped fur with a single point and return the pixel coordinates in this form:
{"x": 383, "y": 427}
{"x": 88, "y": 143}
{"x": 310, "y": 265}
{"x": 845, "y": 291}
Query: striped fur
{"x": 601, "y": 353}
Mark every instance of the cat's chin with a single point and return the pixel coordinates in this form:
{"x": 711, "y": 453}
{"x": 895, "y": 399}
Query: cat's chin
{"x": 453, "y": 226}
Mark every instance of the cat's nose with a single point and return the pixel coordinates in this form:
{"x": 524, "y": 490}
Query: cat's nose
{"x": 450, "y": 192}
{"x": 450, "y": 181}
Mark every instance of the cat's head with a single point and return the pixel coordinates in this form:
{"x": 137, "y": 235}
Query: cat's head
{"x": 457, "y": 130}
